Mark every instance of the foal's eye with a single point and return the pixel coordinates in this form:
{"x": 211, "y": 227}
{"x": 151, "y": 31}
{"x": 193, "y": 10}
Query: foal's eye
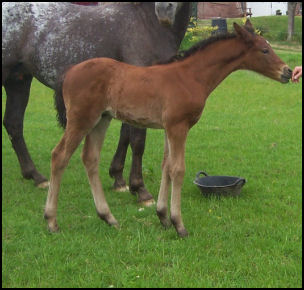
{"x": 265, "y": 50}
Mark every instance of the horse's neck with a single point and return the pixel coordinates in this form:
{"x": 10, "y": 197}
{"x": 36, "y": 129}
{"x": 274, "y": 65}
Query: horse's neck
{"x": 177, "y": 32}
{"x": 215, "y": 62}
{"x": 181, "y": 21}
{"x": 166, "y": 40}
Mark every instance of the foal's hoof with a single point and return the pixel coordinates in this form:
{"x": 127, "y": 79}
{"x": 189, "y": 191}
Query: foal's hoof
{"x": 53, "y": 228}
{"x": 163, "y": 218}
{"x": 182, "y": 233}
{"x": 113, "y": 223}
{"x": 147, "y": 203}
{"x": 116, "y": 226}
{"x": 166, "y": 223}
{"x": 44, "y": 184}
{"x": 109, "y": 219}
{"x": 52, "y": 223}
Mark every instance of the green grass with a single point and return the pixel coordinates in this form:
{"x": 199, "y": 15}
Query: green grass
{"x": 251, "y": 127}
{"x": 273, "y": 28}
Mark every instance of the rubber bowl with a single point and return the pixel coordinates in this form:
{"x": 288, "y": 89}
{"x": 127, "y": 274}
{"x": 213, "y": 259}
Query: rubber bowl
{"x": 219, "y": 185}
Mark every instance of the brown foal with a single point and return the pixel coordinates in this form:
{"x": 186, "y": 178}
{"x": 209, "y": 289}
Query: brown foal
{"x": 168, "y": 96}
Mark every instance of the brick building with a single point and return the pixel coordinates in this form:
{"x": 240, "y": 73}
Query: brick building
{"x": 207, "y": 10}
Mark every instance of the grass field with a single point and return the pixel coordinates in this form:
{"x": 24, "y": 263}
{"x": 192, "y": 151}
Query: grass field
{"x": 251, "y": 127}
{"x": 272, "y": 28}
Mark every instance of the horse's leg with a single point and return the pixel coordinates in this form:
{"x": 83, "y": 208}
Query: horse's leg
{"x": 90, "y": 157}
{"x": 117, "y": 165}
{"x": 17, "y": 91}
{"x": 136, "y": 183}
{"x": 177, "y": 141}
{"x": 162, "y": 201}
{"x": 60, "y": 159}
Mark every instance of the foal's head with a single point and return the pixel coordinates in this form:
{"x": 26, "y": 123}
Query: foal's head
{"x": 260, "y": 57}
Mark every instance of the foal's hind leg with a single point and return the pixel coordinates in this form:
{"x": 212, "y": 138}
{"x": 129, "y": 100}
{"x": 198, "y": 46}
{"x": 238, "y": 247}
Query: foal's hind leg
{"x": 90, "y": 157}
{"x": 17, "y": 91}
{"x": 60, "y": 159}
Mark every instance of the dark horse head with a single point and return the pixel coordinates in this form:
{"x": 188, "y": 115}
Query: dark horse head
{"x": 166, "y": 12}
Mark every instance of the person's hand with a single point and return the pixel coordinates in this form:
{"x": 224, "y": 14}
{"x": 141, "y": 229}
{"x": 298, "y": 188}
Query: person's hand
{"x": 296, "y": 74}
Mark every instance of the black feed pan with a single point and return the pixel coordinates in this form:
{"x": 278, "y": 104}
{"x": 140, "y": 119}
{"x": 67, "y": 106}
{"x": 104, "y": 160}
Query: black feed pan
{"x": 219, "y": 185}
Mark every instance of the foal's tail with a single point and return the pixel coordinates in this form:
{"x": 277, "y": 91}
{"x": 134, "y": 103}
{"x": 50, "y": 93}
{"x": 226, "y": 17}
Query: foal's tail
{"x": 59, "y": 104}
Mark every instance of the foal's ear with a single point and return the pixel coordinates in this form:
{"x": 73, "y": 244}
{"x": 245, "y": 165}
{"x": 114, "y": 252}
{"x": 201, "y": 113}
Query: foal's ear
{"x": 243, "y": 33}
{"x": 248, "y": 24}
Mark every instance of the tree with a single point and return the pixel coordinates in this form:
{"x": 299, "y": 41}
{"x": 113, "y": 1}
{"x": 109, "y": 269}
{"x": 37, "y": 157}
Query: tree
{"x": 291, "y": 14}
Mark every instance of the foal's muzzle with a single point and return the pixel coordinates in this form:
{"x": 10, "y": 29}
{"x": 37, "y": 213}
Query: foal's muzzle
{"x": 286, "y": 74}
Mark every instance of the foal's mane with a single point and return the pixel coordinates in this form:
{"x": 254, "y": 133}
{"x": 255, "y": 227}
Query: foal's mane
{"x": 202, "y": 45}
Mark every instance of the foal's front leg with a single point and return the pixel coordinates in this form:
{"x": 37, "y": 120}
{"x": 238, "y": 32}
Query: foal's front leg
{"x": 177, "y": 140}
{"x": 162, "y": 201}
